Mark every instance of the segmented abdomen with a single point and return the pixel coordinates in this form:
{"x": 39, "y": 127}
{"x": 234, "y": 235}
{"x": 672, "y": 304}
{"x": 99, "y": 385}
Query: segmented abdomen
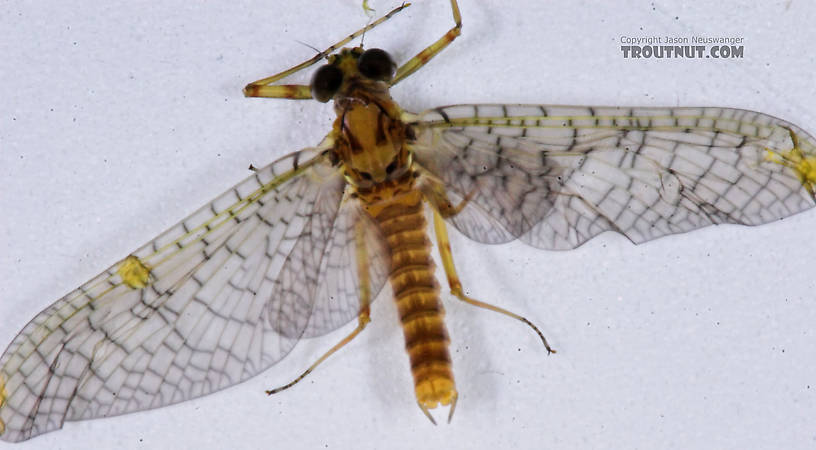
{"x": 416, "y": 292}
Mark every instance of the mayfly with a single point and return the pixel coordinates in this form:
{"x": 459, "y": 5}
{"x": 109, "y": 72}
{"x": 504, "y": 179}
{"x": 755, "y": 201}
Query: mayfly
{"x": 303, "y": 245}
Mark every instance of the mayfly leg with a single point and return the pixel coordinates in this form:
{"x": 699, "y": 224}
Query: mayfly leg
{"x": 456, "y": 285}
{"x": 263, "y": 88}
{"x": 364, "y": 316}
{"x": 432, "y": 50}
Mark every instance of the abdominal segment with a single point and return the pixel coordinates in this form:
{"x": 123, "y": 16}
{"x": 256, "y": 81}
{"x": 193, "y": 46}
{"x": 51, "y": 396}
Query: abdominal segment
{"x": 416, "y": 292}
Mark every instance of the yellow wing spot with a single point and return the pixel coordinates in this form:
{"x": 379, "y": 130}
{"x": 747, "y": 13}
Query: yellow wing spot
{"x": 3, "y": 396}
{"x": 134, "y": 272}
{"x": 802, "y": 163}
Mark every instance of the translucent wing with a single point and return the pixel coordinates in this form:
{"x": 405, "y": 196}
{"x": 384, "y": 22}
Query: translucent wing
{"x": 336, "y": 296}
{"x": 556, "y": 176}
{"x": 211, "y": 302}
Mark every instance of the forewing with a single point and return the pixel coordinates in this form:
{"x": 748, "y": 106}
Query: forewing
{"x": 211, "y": 302}
{"x": 556, "y": 176}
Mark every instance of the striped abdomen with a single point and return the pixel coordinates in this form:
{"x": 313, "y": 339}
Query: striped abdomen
{"x": 416, "y": 292}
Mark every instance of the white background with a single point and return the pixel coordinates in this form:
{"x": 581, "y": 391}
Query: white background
{"x": 118, "y": 119}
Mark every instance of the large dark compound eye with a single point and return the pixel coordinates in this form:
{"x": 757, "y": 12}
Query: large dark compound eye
{"x": 325, "y": 83}
{"x": 376, "y": 64}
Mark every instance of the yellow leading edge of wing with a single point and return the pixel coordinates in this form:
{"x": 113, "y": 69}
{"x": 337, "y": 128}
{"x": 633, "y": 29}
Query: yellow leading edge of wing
{"x": 3, "y": 395}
